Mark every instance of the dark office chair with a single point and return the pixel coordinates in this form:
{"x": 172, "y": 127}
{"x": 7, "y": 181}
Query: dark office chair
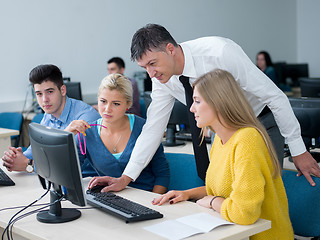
{"x": 183, "y": 171}
{"x": 12, "y": 120}
{"x": 304, "y": 207}
{"x": 310, "y": 87}
{"x": 307, "y": 111}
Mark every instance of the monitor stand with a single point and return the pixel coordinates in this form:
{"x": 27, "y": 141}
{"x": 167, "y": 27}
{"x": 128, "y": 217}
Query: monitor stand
{"x": 56, "y": 214}
{"x": 171, "y": 137}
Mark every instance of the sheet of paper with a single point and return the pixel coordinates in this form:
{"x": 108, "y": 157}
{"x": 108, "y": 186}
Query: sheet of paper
{"x": 187, "y": 226}
{"x": 172, "y": 230}
{"x": 203, "y": 221}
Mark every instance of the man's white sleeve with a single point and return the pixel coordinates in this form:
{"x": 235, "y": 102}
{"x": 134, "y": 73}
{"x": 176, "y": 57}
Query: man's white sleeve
{"x": 158, "y": 115}
{"x": 261, "y": 90}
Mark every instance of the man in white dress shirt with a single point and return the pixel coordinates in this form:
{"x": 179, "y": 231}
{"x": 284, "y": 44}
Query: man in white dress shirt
{"x": 156, "y": 51}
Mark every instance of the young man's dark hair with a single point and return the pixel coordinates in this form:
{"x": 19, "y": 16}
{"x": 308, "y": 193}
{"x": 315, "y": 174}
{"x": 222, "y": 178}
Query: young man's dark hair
{"x": 152, "y": 36}
{"x": 44, "y": 73}
{"x": 117, "y": 60}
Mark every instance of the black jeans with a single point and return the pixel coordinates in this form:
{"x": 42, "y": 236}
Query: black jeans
{"x": 267, "y": 119}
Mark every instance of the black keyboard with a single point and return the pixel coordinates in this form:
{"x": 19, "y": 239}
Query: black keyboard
{"x": 121, "y": 207}
{"x": 5, "y": 180}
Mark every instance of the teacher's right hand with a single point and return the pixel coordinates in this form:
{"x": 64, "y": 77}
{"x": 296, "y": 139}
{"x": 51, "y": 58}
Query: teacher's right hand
{"x": 111, "y": 184}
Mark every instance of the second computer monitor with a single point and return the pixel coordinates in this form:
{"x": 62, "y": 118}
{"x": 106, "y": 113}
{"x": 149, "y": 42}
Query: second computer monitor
{"x": 296, "y": 71}
{"x": 73, "y": 90}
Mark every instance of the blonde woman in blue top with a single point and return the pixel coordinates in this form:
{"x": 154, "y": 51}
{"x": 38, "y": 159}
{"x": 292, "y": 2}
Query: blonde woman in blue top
{"x": 109, "y": 147}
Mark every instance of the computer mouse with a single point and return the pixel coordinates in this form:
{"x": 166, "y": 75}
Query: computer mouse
{"x": 96, "y": 188}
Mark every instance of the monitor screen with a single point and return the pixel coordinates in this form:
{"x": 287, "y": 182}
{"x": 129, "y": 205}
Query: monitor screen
{"x": 296, "y": 71}
{"x": 56, "y": 160}
{"x": 73, "y": 90}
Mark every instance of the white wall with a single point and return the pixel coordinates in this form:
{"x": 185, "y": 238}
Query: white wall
{"x": 308, "y": 35}
{"x": 80, "y": 35}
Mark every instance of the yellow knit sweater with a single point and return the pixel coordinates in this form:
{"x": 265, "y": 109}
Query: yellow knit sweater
{"x": 241, "y": 172}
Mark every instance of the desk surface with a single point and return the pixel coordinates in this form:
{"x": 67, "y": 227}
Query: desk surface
{"x": 4, "y": 132}
{"x": 95, "y": 224}
{"x": 186, "y": 148}
{"x": 5, "y": 139}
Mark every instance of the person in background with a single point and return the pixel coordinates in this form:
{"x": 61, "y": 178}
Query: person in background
{"x": 117, "y": 65}
{"x": 243, "y": 181}
{"x": 265, "y": 64}
{"x": 60, "y": 112}
{"x": 111, "y": 138}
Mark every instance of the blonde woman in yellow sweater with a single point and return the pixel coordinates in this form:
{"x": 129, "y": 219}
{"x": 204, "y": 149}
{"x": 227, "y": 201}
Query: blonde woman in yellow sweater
{"x": 243, "y": 181}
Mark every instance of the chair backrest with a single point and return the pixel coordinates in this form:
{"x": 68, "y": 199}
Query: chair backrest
{"x": 307, "y": 111}
{"x": 183, "y": 171}
{"x": 304, "y": 206}
{"x": 142, "y": 108}
{"x": 310, "y": 87}
{"x": 12, "y": 120}
{"x": 37, "y": 118}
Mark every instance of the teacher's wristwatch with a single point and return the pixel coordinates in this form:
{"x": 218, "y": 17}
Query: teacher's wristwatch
{"x": 29, "y": 167}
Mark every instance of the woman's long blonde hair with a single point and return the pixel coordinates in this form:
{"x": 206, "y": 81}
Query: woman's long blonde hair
{"x": 224, "y": 96}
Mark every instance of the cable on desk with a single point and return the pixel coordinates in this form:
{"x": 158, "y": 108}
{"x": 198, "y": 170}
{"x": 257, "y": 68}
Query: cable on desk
{"x": 16, "y": 207}
{"x": 36, "y": 211}
{"x": 11, "y": 221}
{"x": 30, "y": 213}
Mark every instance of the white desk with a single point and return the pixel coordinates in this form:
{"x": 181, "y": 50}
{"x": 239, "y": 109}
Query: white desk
{"x": 95, "y": 224}
{"x": 5, "y": 138}
{"x": 186, "y": 148}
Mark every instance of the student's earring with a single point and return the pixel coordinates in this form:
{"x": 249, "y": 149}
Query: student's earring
{"x": 127, "y": 109}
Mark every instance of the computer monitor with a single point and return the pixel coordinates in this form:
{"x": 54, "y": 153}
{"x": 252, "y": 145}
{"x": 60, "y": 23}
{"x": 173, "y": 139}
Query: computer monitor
{"x": 279, "y": 70}
{"x": 73, "y": 90}
{"x": 295, "y": 71}
{"x": 56, "y": 160}
{"x": 179, "y": 117}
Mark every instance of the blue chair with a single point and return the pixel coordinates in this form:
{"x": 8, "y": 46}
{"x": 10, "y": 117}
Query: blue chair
{"x": 183, "y": 171}
{"x": 37, "y": 118}
{"x": 142, "y": 108}
{"x": 304, "y": 206}
{"x": 12, "y": 120}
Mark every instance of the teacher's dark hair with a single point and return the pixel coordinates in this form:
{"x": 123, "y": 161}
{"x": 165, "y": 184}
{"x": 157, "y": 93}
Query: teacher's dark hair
{"x": 150, "y": 37}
